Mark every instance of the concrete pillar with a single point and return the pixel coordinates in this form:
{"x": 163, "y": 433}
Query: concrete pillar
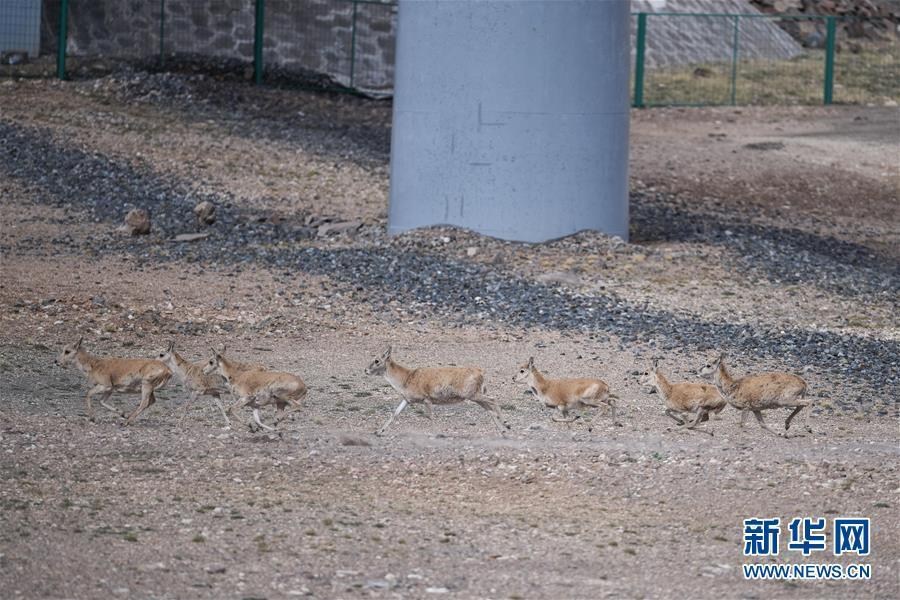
{"x": 511, "y": 117}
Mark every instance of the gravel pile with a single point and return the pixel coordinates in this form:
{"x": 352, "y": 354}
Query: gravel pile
{"x": 780, "y": 254}
{"x": 143, "y": 86}
{"x": 103, "y": 188}
{"x": 340, "y": 125}
{"x": 427, "y": 274}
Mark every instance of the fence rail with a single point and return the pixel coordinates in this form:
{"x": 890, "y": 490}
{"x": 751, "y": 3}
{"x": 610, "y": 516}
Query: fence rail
{"x": 702, "y": 59}
{"x": 348, "y": 45}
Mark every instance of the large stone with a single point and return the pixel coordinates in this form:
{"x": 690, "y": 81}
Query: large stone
{"x": 206, "y": 213}
{"x": 137, "y": 222}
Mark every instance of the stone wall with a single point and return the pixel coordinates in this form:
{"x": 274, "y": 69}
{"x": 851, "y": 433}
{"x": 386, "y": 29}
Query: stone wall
{"x": 306, "y": 36}
{"x": 316, "y": 36}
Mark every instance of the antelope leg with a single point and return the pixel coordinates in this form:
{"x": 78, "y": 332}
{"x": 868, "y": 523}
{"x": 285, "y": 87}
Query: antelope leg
{"x": 396, "y": 412}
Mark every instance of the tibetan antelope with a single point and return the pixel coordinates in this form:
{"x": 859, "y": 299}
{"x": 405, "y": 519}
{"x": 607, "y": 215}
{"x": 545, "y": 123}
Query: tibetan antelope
{"x": 566, "y": 394}
{"x": 210, "y": 365}
{"x": 110, "y": 375}
{"x": 756, "y": 393}
{"x": 683, "y": 399}
{"x": 258, "y": 387}
{"x": 436, "y": 385}
{"x": 195, "y": 380}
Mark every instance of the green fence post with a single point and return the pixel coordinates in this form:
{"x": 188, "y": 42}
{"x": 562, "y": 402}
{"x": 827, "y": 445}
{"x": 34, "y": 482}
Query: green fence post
{"x": 641, "y": 43}
{"x": 258, "y": 41}
{"x": 353, "y": 43}
{"x": 829, "y": 60}
{"x": 62, "y": 39}
{"x": 162, "y": 32}
{"x": 734, "y": 59}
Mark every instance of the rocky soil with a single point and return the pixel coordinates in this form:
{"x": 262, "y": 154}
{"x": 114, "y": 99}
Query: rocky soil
{"x": 771, "y": 235}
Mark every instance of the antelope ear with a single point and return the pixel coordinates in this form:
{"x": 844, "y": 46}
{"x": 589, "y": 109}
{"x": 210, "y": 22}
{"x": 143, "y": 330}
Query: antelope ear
{"x": 171, "y": 346}
{"x": 215, "y": 353}
{"x": 387, "y": 353}
{"x": 530, "y": 362}
{"x": 721, "y": 356}
{"x": 78, "y": 343}
{"x": 224, "y": 347}
{"x": 655, "y": 363}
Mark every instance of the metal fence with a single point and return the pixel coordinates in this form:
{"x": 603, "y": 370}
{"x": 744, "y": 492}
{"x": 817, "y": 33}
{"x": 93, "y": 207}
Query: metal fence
{"x": 325, "y": 44}
{"x": 742, "y": 59}
{"x": 679, "y": 58}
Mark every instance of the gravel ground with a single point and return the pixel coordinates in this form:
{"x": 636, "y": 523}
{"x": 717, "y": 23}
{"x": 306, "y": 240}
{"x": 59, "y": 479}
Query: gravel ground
{"x": 416, "y": 272}
{"x": 733, "y": 248}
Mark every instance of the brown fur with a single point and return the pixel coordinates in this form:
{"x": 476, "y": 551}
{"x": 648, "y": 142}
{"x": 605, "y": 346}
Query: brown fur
{"x": 110, "y": 375}
{"x": 755, "y": 393}
{"x": 566, "y": 394}
{"x": 210, "y": 366}
{"x": 682, "y": 399}
{"x": 194, "y": 379}
{"x": 431, "y": 385}
{"x": 258, "y": 388}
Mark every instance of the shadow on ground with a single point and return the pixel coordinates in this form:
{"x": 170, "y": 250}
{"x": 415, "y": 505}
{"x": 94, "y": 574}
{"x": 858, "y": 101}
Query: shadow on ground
{"x": 462, "y": 291}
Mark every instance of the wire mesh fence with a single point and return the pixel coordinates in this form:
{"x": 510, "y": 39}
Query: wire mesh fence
{"x": 714, "y": 59}
{"x": 324, "y": 44}
{"x": 680, "y": 58}
{"x": 331, "y": 43}
{"x": 867, "y": 63}
{"x": 20, "y": 33}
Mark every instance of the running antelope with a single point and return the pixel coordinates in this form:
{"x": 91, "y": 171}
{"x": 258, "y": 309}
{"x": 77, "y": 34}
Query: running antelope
{"x": 683, "y": 399}
{"x": 241, "y": 366}
{"x": 566, "y": 394}
{"x": 110, "y": 375}
{"x": 258, "y": 387}
{"x": 195, "y": 380}
{"x": 756, "y": 393}
{"x": 436, "y": 385}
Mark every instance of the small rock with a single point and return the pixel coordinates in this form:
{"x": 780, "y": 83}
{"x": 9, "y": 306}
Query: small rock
{"x": 559, "y": 277}
{"x": 765, "y": 146}
{"x": 189, "y": 237}
{"x": 206, "y": 213}
{"x": 471, "y": 251}
{"x": 342, "y": 227}
{"x": 216, "y": 569}
{"x": 354, "y": 440}
{"x": 436, "y": 590}
{"x": 137, "y": 222}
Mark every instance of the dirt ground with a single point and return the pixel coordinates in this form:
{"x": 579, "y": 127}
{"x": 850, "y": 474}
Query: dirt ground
{"x": 779, "y": 220}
